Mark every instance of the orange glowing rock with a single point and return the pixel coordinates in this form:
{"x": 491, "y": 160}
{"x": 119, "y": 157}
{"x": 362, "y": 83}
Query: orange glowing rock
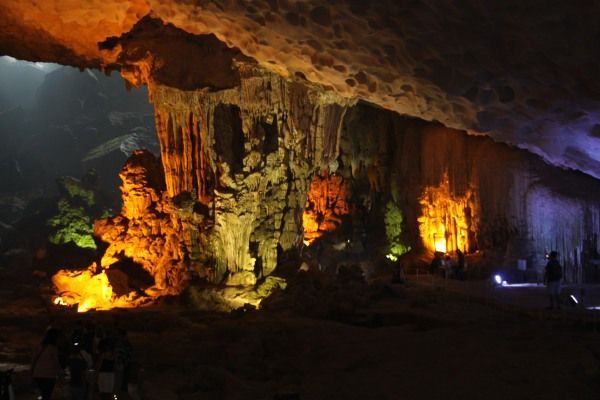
{"x": 147, "y": 231}
{"x": 448, "y": 221}
{"x": 326, "y": 203}
{"x": 88, "y": 290}
{"x": 147, "y": 235}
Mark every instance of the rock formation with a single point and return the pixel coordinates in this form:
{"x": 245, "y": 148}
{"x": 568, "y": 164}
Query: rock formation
{"x": 247, "y": 155}
{"x": 326, "y": 205}
{"x": 149, "y": 229}
{"x": 522, "y": 72}
{"x": 241, "y": 181}
{"x": 261, "y": 131}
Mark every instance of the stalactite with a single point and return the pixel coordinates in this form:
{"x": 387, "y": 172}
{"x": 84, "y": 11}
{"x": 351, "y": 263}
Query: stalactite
{"x": 289, "y": 131}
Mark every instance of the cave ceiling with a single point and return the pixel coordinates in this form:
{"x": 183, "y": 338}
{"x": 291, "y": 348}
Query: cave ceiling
{"x": 522, "y": 72}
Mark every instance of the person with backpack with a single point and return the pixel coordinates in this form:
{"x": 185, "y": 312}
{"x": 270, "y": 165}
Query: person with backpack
{"x": 46, "y": 367}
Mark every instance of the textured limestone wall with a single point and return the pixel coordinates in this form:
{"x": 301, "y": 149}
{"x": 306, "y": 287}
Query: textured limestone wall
{"x": 522, "y": 72}
{"x": 505, "y": 201}
{"x": 247, "y": 156}
{"x": 238, "y": 166}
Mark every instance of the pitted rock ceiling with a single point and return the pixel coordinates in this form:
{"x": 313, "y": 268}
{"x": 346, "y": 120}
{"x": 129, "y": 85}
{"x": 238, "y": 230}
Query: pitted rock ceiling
{"x": 522, "y": 72}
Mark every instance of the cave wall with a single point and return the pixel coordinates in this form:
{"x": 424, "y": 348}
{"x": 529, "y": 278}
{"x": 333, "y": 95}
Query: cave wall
{"x": 515, "y": 206}
{"x": 238, "y": 166}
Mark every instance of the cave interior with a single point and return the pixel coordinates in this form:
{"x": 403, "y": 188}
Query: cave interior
{"x": 240, "y": 144}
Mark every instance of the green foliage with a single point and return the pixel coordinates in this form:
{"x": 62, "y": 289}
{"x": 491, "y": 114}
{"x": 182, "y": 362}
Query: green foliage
{"x": 393, "y": 228}
{"x": 75, "y": 190}
{"x": 72, "y": 224}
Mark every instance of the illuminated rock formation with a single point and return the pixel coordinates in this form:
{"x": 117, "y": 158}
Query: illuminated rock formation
{"x": 246, "y": 155}
{"x": 91, "y": 290}
{"x": 150, "y": 229}
{"x": 448, "y": 222}
{"x": 236, "y": 173}
{"x": 252, "y": 99}
{"x": 512, "y": 70}
{"x": 153, "y": 231}
{"x": 231, "y": 191}
{"x": 326, "y": 205}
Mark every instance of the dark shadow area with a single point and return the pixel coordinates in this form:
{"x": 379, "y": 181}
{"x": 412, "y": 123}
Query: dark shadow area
{"x": 126, "y": 275}
{"x": 229, "y": 140}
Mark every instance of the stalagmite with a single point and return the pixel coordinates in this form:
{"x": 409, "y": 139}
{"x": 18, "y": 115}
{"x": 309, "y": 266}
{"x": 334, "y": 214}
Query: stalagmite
{"x": 244, "y": 158}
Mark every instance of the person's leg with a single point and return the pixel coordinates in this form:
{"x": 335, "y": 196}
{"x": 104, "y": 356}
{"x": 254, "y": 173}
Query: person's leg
{"x": 551, "y": 287}
{"x": 119, "y": 375}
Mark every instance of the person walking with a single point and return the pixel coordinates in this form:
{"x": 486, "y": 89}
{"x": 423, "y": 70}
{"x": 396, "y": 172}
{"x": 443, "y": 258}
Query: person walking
{"x": 46, "y": 367}
{"x": 552, "y": 278}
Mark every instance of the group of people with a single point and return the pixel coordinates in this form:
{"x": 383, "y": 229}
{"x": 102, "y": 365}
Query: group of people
{"x": 552, "y": 273}
{"x": 92, "y": 362}
{"x": 443, "y": 264}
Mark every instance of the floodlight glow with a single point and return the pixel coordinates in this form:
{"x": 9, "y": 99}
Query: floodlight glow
{"x": 574, "y": 299}
{"x": 498, "y": 279}
{"x": 520, "y": 285}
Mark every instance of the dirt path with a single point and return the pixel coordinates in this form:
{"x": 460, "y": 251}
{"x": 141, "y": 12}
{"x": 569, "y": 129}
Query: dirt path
{"x": 405, "y": 342}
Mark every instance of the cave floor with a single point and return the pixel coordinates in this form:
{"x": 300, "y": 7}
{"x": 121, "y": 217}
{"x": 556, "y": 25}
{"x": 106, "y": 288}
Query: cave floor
{"x": 410, "y": 341}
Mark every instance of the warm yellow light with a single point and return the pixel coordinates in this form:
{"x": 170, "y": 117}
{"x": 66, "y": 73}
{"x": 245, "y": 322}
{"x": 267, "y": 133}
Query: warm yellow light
{"x": 89, "y": 290}
{"x": 311, "y": 227}
{"x": 448, "y": 221}
{"x": 59, "y": 301}
{"x": 440, "y": 244}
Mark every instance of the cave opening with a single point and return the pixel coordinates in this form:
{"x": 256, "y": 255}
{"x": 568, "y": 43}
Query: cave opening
{"x": 66, "y": 133}
{"x": 84, "y": 115}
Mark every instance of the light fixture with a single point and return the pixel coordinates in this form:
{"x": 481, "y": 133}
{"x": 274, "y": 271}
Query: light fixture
{"x": 498, "y": 279}
{"x": 573, "y": 300}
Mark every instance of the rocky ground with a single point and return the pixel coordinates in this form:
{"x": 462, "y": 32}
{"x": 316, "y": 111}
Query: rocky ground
{"x": 330, "y": 340}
